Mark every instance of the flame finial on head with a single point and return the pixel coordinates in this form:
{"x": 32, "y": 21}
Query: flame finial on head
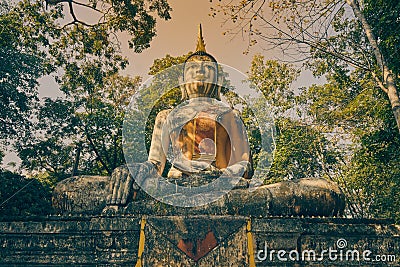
{"x": 201, "y": 46}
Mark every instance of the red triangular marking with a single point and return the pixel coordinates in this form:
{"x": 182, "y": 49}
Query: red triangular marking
{"x": 196, "y": 249}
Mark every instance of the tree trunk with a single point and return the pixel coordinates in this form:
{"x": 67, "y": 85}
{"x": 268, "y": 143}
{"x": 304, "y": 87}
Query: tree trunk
{"x": 388, "y": 79}
{"x": 76, "y": 161}
{"x": 99, "y": 158}
{"x": 394, "y": 98}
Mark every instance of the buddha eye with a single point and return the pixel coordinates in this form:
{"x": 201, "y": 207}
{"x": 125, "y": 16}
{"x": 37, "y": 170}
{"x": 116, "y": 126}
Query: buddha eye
{"x": 210, "y": 67}
{"x": 190, "y": 66}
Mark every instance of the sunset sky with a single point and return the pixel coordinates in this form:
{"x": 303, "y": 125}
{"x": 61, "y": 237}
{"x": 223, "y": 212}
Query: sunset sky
{"x": 179, "y": 35}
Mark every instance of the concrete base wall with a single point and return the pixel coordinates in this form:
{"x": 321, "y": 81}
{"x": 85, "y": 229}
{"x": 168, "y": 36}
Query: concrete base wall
{"x": 198, "y": 241}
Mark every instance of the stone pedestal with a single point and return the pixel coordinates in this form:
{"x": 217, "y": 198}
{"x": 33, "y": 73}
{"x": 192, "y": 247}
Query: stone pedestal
{"x": 84, "y": 194}
{"x": 242, "y": 228}
{"x": 303, "y": 197}
{"x": 197, "y": 241}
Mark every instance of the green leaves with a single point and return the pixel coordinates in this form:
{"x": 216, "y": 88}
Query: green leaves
{"x": 86, "y": 60}
{"x": 136, "y": 18}
{"x": 33, "y": 198}
{"x": 273, "y": 80}
{"x": 344, "y": 129}
{"x": 84, "y": 129}
{"x": 383, "y": 16}
{"x": 374, "y": 172}
{"x": 301, "y": 151}
{"x": 23, "y": 60}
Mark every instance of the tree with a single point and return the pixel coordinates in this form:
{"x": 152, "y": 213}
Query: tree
{"x": 82, "y": 134}
{"x": 273, "y": 80}
{"x": 301, "y": 150}
{"x": 357, "y": 118}
{"x": 341, "y": 130}
{"x": 374, "y": 175}
{"x": 89, "y": 53}
{"x": 83, "y": 130}
{"x": 49, "y": 149}
{"x": 23, "y": 61}
{"x": 84, "y": 57}
{"x": 134, "y": 17}
{"x": 102, "y": 119}
{"x": 314, "y": 28}
{"x": 350, "y": 44}
{"x": 91, "y": 58}
{"x": 33, "y": 198}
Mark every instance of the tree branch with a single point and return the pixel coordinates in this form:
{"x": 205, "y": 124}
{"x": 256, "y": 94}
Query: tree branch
{"x": 314, "y": 45}
{"x": 86, "y": 5}
{"x": 97, "y": 154}
{"x": 72, "y": 12}
{"x": 75, "y": 19}
{"x": 379, "y": 82}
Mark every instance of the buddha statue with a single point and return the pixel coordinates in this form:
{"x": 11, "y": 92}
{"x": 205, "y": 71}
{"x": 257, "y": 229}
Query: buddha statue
{"x": 202, "y": 138}
{"x": 205, "y": 143}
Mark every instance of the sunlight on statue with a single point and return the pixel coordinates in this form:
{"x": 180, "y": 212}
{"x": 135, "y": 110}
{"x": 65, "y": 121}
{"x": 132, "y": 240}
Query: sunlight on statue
{"x": 193, "y": 158}
{"x": 202, "y": 138}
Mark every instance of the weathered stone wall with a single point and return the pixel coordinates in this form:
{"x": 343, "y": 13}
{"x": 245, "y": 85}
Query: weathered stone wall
{"x": 176, "y": 240}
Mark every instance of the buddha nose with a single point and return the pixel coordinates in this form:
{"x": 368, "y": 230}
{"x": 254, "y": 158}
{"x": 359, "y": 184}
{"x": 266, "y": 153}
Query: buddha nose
{"x": 201, "y": 68}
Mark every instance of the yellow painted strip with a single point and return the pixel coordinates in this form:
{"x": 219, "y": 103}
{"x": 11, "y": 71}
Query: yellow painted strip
{"x": 139, "y": 262}
{"x": 252, "y": 262}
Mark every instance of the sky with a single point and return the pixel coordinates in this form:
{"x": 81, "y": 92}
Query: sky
{"x": 178, "y": 36}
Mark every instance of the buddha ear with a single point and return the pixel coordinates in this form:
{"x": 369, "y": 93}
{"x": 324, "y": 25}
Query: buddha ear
{"x": 219, "y": 86}
{"x": 182, "y": 87}
{"x": 220, "y": 80}
{"x": 218, "y": 97}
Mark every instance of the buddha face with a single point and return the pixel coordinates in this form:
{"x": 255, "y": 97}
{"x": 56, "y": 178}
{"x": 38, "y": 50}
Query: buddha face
{"x": 200, "y": 76}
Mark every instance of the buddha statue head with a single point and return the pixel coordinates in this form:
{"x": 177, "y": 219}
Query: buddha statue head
{"x": 200, "y": 73}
